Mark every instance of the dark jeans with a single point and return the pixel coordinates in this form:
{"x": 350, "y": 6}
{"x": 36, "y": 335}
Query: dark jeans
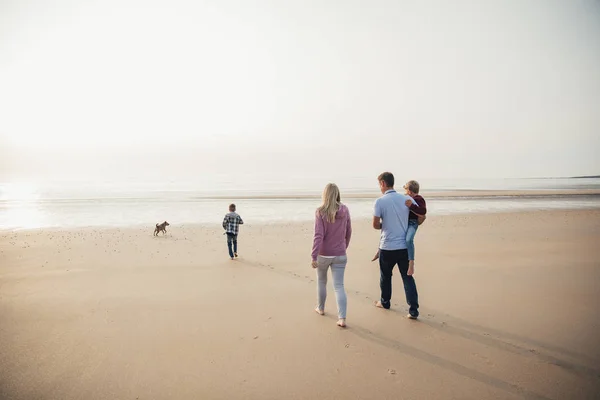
{"x": 387, "y": 261}
{"x": 231, "y": 239}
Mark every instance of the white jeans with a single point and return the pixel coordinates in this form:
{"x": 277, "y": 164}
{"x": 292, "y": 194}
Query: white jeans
{"x": 338, "y": 267}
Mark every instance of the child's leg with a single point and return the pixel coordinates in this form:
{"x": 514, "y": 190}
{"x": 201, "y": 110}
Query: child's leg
{"x": 376, "y": 256}
{"x": 235, "y": 245}
{"x": 410, "y": 238}
{"x": 229, "y": 243}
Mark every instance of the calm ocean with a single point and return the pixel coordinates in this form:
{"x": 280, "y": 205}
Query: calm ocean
{"x": 80, "y": 204}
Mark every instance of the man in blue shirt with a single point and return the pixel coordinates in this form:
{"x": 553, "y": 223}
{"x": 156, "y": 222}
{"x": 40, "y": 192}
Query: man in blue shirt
{"x": 391, "y": 216}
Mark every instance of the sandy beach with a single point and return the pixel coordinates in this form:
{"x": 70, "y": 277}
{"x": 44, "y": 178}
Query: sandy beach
{"x": 509, "y": 310}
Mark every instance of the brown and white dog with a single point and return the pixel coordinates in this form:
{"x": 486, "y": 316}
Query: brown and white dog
{"x": 161, "y": 227}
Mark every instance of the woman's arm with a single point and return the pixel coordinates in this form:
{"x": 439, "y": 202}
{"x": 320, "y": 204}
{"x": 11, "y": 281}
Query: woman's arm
{"x": 348, "y": 230}
{"x": 318, "y": 237}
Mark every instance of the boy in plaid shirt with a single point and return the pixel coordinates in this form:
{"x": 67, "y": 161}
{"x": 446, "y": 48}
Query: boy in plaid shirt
{"x": 231, "y": 224}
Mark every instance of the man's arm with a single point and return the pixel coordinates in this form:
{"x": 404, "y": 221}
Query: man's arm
{"x": 377, "y": 215}
{"x": 377, "y": 222}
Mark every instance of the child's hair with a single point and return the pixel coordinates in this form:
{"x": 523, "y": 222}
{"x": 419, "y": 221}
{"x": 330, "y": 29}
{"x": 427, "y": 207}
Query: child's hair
{"x": 232, "y": 207}
{"x": 331, "y": 202}
{"x": 413, "y": 186}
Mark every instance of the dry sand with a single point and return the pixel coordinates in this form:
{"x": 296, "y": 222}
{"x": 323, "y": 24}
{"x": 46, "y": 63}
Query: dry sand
{"x": 509, "y": 310}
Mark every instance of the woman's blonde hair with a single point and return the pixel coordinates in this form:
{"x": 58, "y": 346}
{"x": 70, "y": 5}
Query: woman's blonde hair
{"x": 331, "y": 202}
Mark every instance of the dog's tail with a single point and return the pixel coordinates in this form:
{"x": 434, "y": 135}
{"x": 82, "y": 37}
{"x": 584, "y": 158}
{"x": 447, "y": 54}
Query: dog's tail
{"x": 157, "y": 225}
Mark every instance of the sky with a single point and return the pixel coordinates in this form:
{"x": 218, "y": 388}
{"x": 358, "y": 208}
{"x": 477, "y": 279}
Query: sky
{"x": 176, "y": 89}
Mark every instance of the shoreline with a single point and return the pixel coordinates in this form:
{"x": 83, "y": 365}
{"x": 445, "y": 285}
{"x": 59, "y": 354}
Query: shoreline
{"x": 262, "y": 224}
{"x": 439, "y": 194}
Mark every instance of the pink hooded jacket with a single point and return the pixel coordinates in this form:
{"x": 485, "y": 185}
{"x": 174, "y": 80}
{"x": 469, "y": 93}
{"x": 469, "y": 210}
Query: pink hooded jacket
{"x": 332, "y": 239}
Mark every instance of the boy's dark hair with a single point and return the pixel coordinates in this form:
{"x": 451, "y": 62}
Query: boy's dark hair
{"x": 388, "y": 178}
{"x": 232, "y": 207}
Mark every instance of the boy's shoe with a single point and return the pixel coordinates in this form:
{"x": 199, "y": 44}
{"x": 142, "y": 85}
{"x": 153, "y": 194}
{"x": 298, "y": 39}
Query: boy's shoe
{"x": 235, "y": 254}
{"x": 412, "y": 316}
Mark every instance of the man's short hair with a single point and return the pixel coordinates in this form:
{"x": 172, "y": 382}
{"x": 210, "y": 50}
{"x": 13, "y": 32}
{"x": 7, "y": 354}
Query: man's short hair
{"x": 232, "y": 207}
{"x": 413, "y": 186}
{"x": 388, "y": 178}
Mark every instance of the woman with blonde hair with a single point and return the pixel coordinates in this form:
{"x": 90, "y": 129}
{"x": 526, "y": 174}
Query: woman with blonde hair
{"x": 332, "y": 237}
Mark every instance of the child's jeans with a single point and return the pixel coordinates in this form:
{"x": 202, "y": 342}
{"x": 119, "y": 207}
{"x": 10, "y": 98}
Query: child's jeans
{"x": 413, "y": 225}
{"x": 231, "y": 239}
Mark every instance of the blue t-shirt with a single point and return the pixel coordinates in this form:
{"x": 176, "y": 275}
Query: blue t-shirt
{"x": 394, "y": 215}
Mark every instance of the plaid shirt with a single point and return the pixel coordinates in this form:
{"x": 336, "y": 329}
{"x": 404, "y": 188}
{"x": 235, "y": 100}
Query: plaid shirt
{"x": 232, "y": 222}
